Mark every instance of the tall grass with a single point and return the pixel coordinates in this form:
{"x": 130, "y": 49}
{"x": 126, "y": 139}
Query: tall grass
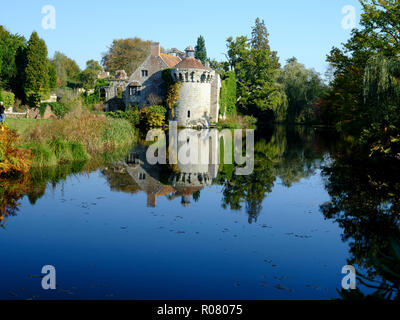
{"x": 77, "y": 137}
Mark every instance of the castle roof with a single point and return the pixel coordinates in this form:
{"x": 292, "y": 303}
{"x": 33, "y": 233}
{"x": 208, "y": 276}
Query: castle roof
{"x": 190, "y": 62}
{"x": 170, "y": 60}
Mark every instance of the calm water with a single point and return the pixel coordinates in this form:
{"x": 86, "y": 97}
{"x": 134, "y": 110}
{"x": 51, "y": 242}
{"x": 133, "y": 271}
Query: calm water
{"x": 135, "y": 231}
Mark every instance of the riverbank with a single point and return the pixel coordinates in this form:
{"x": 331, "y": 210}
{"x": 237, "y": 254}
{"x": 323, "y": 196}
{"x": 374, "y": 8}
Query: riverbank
{"x": 73, "y": 139}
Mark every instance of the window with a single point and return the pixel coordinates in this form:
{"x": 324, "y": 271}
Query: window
{"x": 142, "y": 176}
{"x": 135, "y": 91}
{"x": 145, "y": 73}
{"x": 188, "y": 114}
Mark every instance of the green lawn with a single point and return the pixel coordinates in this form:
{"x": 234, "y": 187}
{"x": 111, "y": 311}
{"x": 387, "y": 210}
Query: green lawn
{"x": 22, "y": 124}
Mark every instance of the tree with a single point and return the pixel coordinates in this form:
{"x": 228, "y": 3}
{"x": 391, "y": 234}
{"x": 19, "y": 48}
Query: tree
{"x": 89, "y": 75}
{"x": 201, "y": 51}
{"x": 36, "y": 80}
{"x": 256, "y": 68}
{"x": 67, "y": 69}
{"x": 11, "y": 61}
{"x": 52, "y": 77}
{"x": 125, "y": 54}
{"x": 382, "y": 87}
{"x": 302, "y": 87}
{"x": 379, "y": 33}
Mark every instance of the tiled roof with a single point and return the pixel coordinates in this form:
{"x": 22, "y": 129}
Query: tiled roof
{"x": 171, "y": 61}
{"x": 190, "y": 63}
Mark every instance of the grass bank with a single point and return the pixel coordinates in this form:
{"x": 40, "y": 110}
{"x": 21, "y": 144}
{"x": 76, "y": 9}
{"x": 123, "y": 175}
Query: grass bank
{"x": 237, "y": 121}
{"x": 74, "y": 138}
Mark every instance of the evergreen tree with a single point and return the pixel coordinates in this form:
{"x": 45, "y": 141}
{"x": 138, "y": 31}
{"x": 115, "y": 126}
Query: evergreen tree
{"x": 12, "y": 48}
{"x": 256, "y": 68}
{"x": 259, "y": 36}
{"x": 52, "y": 77}
{"x": 36, "y": 79}
{"x": 201, "y": 51}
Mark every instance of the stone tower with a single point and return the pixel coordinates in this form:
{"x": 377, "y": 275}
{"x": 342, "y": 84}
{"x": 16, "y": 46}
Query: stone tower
{"x": 194, "y": 105}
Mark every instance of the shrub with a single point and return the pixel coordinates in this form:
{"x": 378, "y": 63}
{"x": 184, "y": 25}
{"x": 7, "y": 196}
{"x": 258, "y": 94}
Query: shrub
{"x": 8, "y": 99}
{"x": 131, "y": 115}
{"x": 158, "y": 109}
{"x": 153, "y": 116}
{"x": 59, "y": 109}
{"x": 13, "y": 160}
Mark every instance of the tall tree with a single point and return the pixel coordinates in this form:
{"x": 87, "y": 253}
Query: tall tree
{"x": 67, "y": 69}
{"x": 89, "y": 75}
{"x": 379, "y": 32}
{"x": 302, "y": 88}
{"x": 256, "y": 68}
{"x": 11, "y": 60}
{"x": 259, "y": 36}
{"x": 36, "y": 80}
{"x": 125, "y": 54}
{"x": 201, "y": 51}
{"x": 52, "y": 77}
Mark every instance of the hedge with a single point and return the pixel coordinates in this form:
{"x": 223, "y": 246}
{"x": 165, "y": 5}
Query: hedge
{"x": 228, "y": 95}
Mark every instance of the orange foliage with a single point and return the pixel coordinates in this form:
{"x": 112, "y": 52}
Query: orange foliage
{"x": 13, "y": 160}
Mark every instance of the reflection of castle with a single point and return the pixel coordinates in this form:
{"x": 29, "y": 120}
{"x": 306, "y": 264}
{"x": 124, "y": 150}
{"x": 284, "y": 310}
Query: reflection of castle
{"x": 182, "y": 181}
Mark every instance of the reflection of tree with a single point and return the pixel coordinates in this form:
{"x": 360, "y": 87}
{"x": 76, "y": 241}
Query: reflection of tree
{"x": 11, "y": 190}
{"x": 291, "y": 154}
{"x": 33, "y": 185}
{"x": 250, "y": 189}
{"x": 365, "y": 199}
{"x": 301, "y": 150}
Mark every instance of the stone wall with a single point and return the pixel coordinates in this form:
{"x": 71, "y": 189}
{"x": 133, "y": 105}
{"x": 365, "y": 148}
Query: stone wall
{"x": 215, "y": 94}
{"x": 113, "y": 102}
{"x": 194, "y": 104}
{"x": 151, "y": 90}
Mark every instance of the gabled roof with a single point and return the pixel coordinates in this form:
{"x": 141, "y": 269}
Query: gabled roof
{"x": 170, "y": 61}
{"x": 190, "y": 63}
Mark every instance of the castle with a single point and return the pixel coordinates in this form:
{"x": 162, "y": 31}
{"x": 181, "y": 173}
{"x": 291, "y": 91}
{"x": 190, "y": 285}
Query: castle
{"x": 198, "y": 105}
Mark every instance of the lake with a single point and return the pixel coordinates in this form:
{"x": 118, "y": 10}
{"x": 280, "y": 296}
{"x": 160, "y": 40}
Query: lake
{"x": 131, "y": 230}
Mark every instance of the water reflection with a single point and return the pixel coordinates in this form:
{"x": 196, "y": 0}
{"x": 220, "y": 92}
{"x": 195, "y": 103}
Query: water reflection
{"x": 364, "y": 196}
{"x": 283, "y": 153}
{"x": 32, "y": 185}
{"x": 365, "y": 202}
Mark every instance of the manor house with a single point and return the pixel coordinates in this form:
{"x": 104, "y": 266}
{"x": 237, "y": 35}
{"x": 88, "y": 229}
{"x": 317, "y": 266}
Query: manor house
{"x": 198, "y": 104}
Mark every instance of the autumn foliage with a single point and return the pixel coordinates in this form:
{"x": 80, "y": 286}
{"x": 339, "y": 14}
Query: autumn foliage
{"x": 13, "y": 160}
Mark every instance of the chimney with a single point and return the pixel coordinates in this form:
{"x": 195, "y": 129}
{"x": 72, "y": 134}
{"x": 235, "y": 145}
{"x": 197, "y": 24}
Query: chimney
{"x": 190, "y": 52}
{"x": 207, "y": 64}
{"x": 155, "y": 49}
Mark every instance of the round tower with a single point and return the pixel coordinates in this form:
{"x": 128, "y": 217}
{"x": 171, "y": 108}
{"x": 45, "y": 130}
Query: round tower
{"x": 194, "y": 104}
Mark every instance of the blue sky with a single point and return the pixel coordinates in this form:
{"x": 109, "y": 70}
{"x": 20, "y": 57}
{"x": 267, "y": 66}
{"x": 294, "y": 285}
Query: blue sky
{"x": 305, "y": 29}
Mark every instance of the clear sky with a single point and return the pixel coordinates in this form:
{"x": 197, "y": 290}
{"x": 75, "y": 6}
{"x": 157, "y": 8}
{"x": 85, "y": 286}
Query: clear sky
{"x": 84, "y": 29}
